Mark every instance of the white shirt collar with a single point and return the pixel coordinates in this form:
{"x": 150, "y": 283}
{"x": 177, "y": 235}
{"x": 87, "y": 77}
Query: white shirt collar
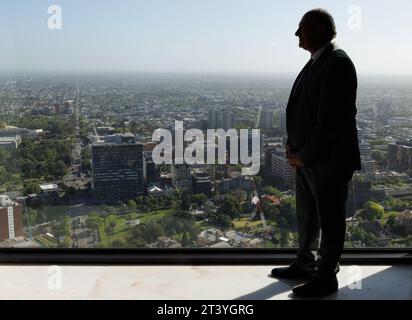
{"x": 318, "y": 53}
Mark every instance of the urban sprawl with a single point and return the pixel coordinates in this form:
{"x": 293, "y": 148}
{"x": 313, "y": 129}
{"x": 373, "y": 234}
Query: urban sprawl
{"x": 76, "y": 166}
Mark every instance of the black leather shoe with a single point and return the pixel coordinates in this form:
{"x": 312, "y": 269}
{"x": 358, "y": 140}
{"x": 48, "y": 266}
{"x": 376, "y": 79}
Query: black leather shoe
{"x": 318, "y": 287}
{"x": 294, "y": 271}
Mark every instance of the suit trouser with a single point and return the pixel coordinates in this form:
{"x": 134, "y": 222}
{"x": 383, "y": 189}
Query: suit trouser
{"x": 320, "y": 208}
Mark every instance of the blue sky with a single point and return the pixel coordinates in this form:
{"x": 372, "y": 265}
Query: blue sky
{"x": 195, "y": 35}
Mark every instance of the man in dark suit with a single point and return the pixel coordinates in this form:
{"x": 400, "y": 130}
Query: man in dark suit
{"x": 322, "y": 145}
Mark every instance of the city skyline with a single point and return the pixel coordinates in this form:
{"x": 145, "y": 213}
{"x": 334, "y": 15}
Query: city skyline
{"x": 196, "y": 37}
{"x": 60, "y": 158}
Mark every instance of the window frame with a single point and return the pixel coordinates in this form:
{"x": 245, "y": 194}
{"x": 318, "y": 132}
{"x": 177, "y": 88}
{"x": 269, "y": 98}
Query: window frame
{"x": 191, "y": 256}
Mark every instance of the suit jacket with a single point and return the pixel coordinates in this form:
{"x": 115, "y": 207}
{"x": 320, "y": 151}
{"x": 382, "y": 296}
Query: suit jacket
{"x": 321, "y": 114}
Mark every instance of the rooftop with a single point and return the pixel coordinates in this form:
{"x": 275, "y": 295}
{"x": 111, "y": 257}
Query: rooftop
{"x": 49, "y": 187}
{"x": 5, "y": 201}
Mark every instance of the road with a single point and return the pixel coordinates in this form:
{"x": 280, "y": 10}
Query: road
{"x": 74, "y": 178}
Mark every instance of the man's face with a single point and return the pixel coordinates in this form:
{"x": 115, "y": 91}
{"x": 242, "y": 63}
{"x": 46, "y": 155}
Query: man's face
{"x": 307, "y": 34}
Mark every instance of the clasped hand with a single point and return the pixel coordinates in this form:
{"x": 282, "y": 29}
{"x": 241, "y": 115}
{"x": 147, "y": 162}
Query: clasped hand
{"x": 293, "y": 158}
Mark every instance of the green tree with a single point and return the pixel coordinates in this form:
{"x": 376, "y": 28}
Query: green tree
{"x": 86, "y": 155}
{"x": 391, "y": 221}
{"x": 119, "y": 243}
{"x": 60, "y": 169}
{"x": 239, "y": 194}
{"x": 272, "y": 191}
{"x": 229, "y": 207}
{"x": 271, "y": 211}
{"x": 109, "y": 230}
{"x": 92, "y": 221}
{"x": 379, "y": 157}
{"x": 225, "y": 221}
{"x": 31, "y": 188}
{"x": 258, "y": 181}
{"x": 137, "y": 243}
{"x": 150, "y": 202}
{"x": 140, "y": 201}
{"x": 199, "y": 198}
{"x": 185, "y": 240}
{"x": 408, "y": 242}
{"x": 287, "y": 216}
{"x": 66, "y": 242}
{"x": 185, "y": 203}
{"x": 32, "y": 213}
{"x": 131, "y": 204}
{"x": 4, "y": 174}
{"x": 149, "y": 232}
{"x": 284, "y": 238}
{"x": 372, "y": 211}
{"x": 64, "y": 228}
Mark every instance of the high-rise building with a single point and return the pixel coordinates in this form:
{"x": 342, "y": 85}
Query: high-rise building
{"x": 228, "y": 120}
{"x": 405, "y": 157}
{"x": 201, "y": 183}
{"x": 393, "y": 156}
{"x": 56, "y": 108}
{"x": 281, "y": 169}
{"x": 268, "y": 150}
{"x": 367, "y": 163}
{"x": 266, "y": 118}
{"x": 400, "y": 156}
{"x": 360, "y": 135}
{"x": 365, "y": 149}
{"x": 182, "y": 177}
{"x": 152, "y": 174}
{"x": 68, "y": 107}
{"x": 220, "y": 119}
{"x": 117, "y": 168}
{"x": 204, "y": 124}
{"x": 11, "y": 219}
{"x": 212, "y": 120}
{"x": 368, "y": 166}
{"x": 359, "y": 191}
{"x": 383, "y": 110}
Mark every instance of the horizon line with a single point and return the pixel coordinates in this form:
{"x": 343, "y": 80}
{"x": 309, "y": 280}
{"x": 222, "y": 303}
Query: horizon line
{"x": 177, "y": 73}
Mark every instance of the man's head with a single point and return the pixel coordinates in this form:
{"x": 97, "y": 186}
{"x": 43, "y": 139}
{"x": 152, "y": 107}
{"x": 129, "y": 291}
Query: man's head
{"x": 316, "y": 28}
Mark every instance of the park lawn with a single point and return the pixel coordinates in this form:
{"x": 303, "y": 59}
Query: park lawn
{"x": 154, "y": 215}
{"x": 17, "y": 183}
{"x": 14, "y": 184}
{"x": 241, "y": 223}
{"x": 202, "y": 225}
{"x": 122, "y": 230}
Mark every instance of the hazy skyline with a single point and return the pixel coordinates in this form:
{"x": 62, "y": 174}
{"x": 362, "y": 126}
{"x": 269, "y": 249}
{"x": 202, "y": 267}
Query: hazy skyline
{"x": 195, "y": 36}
